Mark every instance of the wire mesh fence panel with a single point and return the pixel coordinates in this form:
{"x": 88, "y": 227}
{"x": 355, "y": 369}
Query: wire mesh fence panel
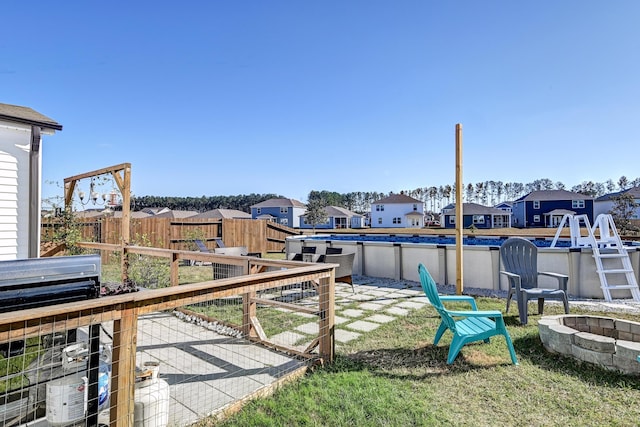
{"x": 165, "y": 356}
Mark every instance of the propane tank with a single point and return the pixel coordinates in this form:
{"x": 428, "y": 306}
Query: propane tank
{"x": 67, "y": 396}
{"x": 151, "y": 397}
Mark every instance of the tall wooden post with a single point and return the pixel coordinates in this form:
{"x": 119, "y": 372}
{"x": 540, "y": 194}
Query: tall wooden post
{"x": 459, "y": 217}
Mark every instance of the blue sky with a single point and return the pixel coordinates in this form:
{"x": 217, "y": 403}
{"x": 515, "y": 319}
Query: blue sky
{"x": 237, "y": 97}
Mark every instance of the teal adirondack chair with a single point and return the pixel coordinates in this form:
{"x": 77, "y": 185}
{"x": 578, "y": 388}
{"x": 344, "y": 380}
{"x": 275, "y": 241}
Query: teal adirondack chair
{"x": 472, "y": 326}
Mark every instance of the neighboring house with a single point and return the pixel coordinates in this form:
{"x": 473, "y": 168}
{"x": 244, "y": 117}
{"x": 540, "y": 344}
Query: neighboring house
{"x": 337, "y": 217}
{"x": 546, "y": 208}
{"x": 224, "y": 214}
{"x": 477, "y": 215}
{"x": 397, "y": 211}
{"x": 604, "y": 204}
{"x": 282, "y": 211}
{"x": 21, "y": 131}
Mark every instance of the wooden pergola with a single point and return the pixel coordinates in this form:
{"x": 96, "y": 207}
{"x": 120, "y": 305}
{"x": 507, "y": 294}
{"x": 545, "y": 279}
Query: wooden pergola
{"x": 122, "y": 176}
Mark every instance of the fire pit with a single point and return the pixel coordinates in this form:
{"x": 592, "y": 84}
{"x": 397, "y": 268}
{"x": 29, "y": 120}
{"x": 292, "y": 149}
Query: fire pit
{"x": 611, "y": 343}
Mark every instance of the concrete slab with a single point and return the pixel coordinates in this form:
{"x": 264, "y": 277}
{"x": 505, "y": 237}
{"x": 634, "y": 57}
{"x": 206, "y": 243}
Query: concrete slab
{"x": 206, "y": 371}
{"x": 380, "y": 318}
{"x": 364, "y": 326}
{"x": 351, "y": 312}
{"x": 397, "y": 311}
{"x": 343, "y": 336}
{"x": 371, "y": 306}
{"x": 410, "y": 305}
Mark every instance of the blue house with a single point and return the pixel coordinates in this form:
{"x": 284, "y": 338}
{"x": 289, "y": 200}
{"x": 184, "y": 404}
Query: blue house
{"x": 282, "y": 211}
{"x": 477, "y": 215}
{"x": 547, "y": 207}
{"x": 337, "y": 217}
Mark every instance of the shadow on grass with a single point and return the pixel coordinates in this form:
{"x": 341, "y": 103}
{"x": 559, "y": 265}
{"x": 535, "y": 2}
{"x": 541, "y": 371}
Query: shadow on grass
{"x": 418, "y": 364}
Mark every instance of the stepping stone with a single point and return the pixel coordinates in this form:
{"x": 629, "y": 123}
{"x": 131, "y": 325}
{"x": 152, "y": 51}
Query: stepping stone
{"x": 380, "y": 318}
{"x": 287, "y": 338}
{"x": 362, "y": 325}
{"x": 383, "y": 301}
{"x": 350, "y": 312}
{"x": 410, "y": 292}
{"x": 410, "y": 304}
{"x": 339, "y": 320}
{"x": 309, "y": 328}
{"x": 397, "y": 311}
{"x": 345, "y": 336}
{"x": 370, "y": 306}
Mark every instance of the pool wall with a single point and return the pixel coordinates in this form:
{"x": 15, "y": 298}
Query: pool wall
{"x": 482, "y": 264}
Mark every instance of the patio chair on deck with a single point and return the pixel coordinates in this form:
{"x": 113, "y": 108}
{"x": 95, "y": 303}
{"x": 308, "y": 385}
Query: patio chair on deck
{"x": 472, "y": 326}
{"x": 520, "y": 261}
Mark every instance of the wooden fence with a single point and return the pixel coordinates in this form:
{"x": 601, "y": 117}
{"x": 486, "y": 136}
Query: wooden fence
{"x": 123, "y": 311}
{"x": 258, "y": 236}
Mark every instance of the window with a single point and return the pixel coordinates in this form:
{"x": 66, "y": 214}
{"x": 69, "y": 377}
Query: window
{"x": 380, "y": 208}
{"x": 536, "y": 204}
{"x": 284, "y": 210}
{"x": 284, "y": 221}
{"x": 415, "y": 207}
{"x": 258, "y": 211}
{"x": 379, "y": 221}
{"x": 577, "y": 204}
{"x": 478, "y": 219}
{"x": 452, "y": 219}
{"x": 397, "y": 220}
{"x": 536, "y": 218}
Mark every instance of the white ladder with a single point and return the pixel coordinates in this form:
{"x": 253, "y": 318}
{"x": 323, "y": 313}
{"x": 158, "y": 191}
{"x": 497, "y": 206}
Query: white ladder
{"x": 609, "y": 253}
{"x": 609, "y": 250}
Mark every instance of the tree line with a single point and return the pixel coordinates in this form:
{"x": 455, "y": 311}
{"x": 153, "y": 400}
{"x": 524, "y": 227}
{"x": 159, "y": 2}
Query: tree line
{"x": 488, "y": 193}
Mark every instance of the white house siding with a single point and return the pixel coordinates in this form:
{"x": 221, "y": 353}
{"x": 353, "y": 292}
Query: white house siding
{"x": 14, "y": 191}
{"x": 392, "y": 210}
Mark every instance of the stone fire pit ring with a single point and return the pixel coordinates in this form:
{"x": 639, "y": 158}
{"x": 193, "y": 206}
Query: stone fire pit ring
{"x": 608, "y": 342}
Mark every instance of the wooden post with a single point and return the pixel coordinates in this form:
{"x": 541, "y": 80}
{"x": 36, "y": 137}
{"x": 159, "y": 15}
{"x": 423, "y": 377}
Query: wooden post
{"x": 174, "y": 275}
{"x": 327, "y": 318}
{"x": 125, "y": 331}
{"x": 459, "y": 213}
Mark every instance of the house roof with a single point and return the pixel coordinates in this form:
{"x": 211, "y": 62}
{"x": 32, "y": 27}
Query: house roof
{"x": 397, "y": 198}
{"x": 477, "y": 209}
{"x": 634, "y": 192}
{"x": 340, "y": 211}
{"x": 546, "y": 195}
{"x": 560, "y": 212}
{"x": 337, "y": 211}
{"x": 278, "y": 203}
{"x": 134, "y": 215}
{"x": 223, "y": 213}
{"x": 176, "y": 214}
{"x": 26, "y": 115}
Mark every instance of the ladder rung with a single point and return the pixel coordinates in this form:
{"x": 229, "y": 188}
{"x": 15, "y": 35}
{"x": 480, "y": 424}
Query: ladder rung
{"x": 620, "y": 287}
{"x": 614, "y": 255}
{"x": 616, "y": 270}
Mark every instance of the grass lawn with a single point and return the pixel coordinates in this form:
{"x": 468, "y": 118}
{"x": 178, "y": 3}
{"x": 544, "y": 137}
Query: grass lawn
{"x": 394, "y": 376}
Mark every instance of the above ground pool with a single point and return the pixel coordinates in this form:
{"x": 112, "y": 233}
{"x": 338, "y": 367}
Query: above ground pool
{"x": 433, "y": 240}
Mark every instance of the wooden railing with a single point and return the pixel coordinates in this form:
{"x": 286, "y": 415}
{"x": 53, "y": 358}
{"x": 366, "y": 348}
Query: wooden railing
{"x": 123, "y": 310}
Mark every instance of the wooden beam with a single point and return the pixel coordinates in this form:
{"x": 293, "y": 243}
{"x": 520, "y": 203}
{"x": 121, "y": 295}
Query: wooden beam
{"x": 125, "y": 333}
{"x": 459, "y": 212}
